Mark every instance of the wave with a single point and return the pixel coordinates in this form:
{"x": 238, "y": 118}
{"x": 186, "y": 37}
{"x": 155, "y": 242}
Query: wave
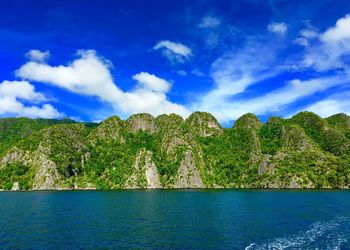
{"x": 333, "y": 234}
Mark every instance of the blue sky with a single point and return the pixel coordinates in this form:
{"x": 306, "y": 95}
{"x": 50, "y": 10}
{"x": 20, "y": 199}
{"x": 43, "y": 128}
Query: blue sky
{"x": 88, "y": 60}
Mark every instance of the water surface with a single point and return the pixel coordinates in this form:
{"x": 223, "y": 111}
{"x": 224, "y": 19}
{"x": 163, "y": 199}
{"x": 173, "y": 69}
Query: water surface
{"x": 182, "y": 219}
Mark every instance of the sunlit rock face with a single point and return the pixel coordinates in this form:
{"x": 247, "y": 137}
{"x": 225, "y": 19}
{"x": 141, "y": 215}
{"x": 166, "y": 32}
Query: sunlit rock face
{"x": 142, "y": 122}
{"x": 143, "y": 152}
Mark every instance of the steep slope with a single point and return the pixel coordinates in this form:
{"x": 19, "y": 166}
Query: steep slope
{"x": 12, "y": 130}
{"x": 340, "y": 122}
{"x": 178, "y": 155}
{"x": 145, "y": 173}
{"x": 304, "y": 151}
{"x": 203, "y": 124}
{"x": 49, "y": 158}
{"x": 329, "y": 138}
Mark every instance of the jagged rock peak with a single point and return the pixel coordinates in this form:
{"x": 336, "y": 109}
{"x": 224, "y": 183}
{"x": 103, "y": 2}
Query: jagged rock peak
{"x": 204, "y": 124}
{"x": 340, "y": 115}
{"x": 109, "y": 128}
{"x": 174, "y": 132}
{"x": 307, "y": 118}
{"x": 274, "y": 120}
{"x": 340, "y": 120}
{"x": 294, "y": 138}
{"x": 144, "y": 122}
{"x": 169, "y": 120}
{"x": 171, "y": 125}
{"x": 112, "y": 120}
{"x": 248, "y": 120}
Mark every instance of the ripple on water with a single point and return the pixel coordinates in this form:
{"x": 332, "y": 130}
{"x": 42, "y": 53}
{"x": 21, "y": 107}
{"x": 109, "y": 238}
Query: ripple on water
{"x": 333, "y": 234}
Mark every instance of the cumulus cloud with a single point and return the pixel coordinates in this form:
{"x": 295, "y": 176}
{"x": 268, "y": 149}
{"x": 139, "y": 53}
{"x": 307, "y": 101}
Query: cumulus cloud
{"x": 13, "y": 94}
{"x": 331, "y": 49}
{"x": 152, "y": 82}
{"x": 90, "y": 75}
{"x": 37, "y": 55}
{"x": 233, "y": 74}
{"x": 174, "y": 52}
{"x": 340, "y": 32}
{"x": 21, "y": 90}
{"x": 209, "y": 22}
{"x": 85, "y": 75}
{"x": 278, "y": 28}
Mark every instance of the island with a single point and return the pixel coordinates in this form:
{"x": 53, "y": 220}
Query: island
{"x": 144, "y": 152}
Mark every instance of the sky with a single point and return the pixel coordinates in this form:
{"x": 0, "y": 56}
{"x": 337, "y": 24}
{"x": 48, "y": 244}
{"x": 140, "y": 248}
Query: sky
{"x": 88, "y": 60}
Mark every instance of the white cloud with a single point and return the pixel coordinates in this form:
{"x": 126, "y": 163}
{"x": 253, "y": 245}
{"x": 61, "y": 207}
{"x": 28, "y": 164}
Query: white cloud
{"x": 177, "y": 48}
{"x": 197, "y": 72}
{"x": 278, "y": 28}
{"x": 339, "y": 32}
{"x": 174, "y": 52}
{"x": 305, "y": 35}
{"x": 181, "y": 72}
{"x": 152, "y": 82}
{"x": 226, "y": 109}
{"x": 302, "y": 41}
{"x": 209, "y": 22}
{"x": 45, "y": 111}
{"x": 21, "y": 90}
{"x": 331, "y": 48}
{"x": 38, "y": 56}
{"x": 309, "y": 33}
{"x": 329, "y": 107}
{"x": 237, "y": 70}
{"x": 338, "y": 103}
{"x": 14, "y": 93}
{"x": 90, "y": 75}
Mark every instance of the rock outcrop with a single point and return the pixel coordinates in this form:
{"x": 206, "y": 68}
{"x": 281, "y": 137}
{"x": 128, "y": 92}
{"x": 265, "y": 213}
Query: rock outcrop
{"x": 142, "y": 122}
{"x": 188, "y": 175}
{"x": 15, "y": 186}
{"x": 46, "y": 176}
{"x": 305, "y": 151}
{"x": 145, "y": 173}
{"x": 109, "y": 129}
{"x": 204, "y": 124}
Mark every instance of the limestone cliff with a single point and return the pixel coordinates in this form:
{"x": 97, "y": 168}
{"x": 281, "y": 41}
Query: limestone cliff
{"x": 305, "y": 151}
{"x": 144, "y": 172}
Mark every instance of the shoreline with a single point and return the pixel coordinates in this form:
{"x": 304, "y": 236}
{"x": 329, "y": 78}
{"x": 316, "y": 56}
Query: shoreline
{"x": 179, "y": 189}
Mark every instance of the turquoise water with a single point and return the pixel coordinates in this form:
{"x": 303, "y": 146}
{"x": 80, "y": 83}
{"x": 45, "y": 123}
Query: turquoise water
{"x": 183, "y": 219}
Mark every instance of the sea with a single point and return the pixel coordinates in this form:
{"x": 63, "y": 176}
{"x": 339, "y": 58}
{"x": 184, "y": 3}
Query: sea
{"x": 176, "y": 219}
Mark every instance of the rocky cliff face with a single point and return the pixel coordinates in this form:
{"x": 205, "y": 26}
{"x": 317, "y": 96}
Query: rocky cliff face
{"x": 110, "y": 129}
{"x": 305, "y": 151}
{"x": 204, "y": 124}
{"x": 178, "y": 147}
{"x": 188, "y": 175}
{"x": 142, "y": 122}
{"x": 145, "y": 173}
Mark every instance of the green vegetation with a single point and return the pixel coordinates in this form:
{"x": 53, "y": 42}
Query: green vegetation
{"x": 11, "y": 173}
{"x": 12, "y": 130}
{"x": 304, "y": 151}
